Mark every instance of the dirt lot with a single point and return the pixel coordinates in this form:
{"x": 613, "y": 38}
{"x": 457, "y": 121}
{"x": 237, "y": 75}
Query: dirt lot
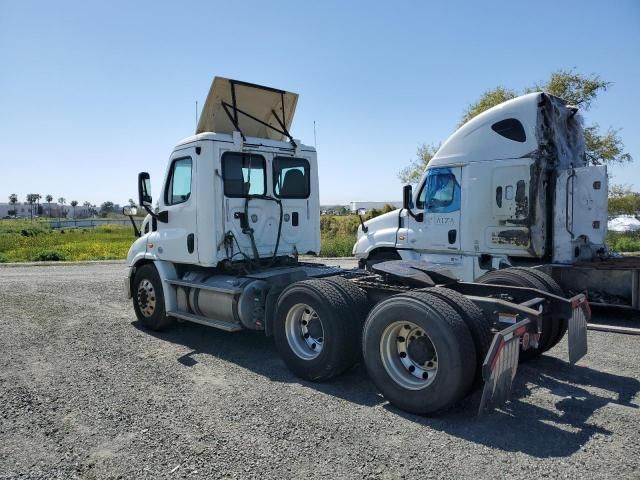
{"x": 86, "y": 393}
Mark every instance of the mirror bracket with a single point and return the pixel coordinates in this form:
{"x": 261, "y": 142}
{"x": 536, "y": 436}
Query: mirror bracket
{"x": 136, "y": 230}
{"x": 407, "y": 203}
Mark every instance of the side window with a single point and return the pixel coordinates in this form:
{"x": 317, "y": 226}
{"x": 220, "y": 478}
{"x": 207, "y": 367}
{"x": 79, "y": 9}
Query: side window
{"x": 511, "y": 129}
{"x": 178, "y": 188}
{"x": 421, "y": 197}
{"x": 291, "y": 178}
{"x": 442, "y": 191}
{"x": 243, "y": 174}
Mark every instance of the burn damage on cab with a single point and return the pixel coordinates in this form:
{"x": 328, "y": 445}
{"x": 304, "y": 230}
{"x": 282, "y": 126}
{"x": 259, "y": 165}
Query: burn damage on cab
{"x": 519, "y": 238}
{"x": 560, "y": 146}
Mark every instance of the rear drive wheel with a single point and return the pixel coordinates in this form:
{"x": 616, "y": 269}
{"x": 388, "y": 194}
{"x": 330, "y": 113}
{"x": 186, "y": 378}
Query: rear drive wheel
{"x": 517, "y": 277}
{"x": 355, "y": 296}
{"x": 551, "y": 287}
{"x": 313, "y": 330}
{"x": 148, "y": 299}
{"x": 478, "y": 324}
{"x": 418, "y": 352}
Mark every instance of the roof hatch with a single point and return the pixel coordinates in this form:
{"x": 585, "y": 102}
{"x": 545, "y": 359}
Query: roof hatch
{"x": 253, "y": 110}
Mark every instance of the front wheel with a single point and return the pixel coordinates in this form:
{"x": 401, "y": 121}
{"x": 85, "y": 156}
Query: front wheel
{"x": 148, "y": 299}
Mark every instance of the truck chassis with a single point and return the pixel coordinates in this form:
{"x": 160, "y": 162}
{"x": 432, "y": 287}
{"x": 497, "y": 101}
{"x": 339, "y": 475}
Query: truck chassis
{"x": 427, "y": 340}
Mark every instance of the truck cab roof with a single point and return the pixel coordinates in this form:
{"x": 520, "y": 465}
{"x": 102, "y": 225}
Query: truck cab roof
{"x": 249, "y": 142}
{"x": 517, "y": 128}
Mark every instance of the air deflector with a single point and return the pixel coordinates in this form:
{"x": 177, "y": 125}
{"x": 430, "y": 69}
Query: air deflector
{"x": 253, "y": 110}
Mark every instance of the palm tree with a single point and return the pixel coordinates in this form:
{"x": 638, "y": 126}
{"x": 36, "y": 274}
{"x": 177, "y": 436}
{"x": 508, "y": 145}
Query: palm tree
{"x": 13, "y": 201}
{"x": 74, "y": 204}
{"x": 31, "y": 199}
{"x": 61, "y": 201}
{"x": 37, "y": 198}
{"x": 87, "y": 205}
{"x": 49, "y": 199}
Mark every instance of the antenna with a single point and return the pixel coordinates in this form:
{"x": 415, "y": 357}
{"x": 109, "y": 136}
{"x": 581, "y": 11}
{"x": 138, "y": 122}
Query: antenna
{"x": 315, "y": 142}
{"x": 196, "y": 114}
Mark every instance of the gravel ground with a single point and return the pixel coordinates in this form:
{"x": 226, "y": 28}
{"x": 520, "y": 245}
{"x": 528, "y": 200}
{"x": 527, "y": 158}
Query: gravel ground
{"x": 86, "y": 393}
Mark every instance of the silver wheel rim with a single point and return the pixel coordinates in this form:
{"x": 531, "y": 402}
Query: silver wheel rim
{"x": 408, "y": 355}
{"x": 146, "y": 298}
{"x": 305, "y": 332}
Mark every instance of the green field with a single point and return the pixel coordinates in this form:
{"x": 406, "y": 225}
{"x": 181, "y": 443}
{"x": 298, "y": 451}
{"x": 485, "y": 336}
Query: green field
{"x": 24, "y": 241}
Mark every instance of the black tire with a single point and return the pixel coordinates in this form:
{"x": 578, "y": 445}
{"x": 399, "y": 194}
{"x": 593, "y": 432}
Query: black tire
{"x": 355, "y": 296}
{"x": 554, "y": 288}
{"x": 340, "y": 349}
{"x": 516, "y": 277}
{"x": 478, "y": 324}
{"x": 448, "y": 334}
{"x": 149, "y": 304}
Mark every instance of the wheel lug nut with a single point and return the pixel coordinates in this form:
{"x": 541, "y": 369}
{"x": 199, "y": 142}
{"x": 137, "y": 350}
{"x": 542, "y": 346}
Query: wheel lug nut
{"x": 304, "y": 322}
{"x": 306, "y": 335}
{"x": 401, "y": 339}
{"x": 403, "y": 354}
{"x": 407, "y": 327}
{"x": 313, "y": 345}
{"x": 411, "y": 368}
{"x": 425, "y": 375}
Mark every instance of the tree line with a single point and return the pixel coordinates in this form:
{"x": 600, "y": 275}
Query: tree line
{"x": 36, "y": 208}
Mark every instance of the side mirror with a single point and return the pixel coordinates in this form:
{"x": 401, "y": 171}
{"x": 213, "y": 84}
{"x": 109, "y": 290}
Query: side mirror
{"x": 407, "y": 197}
{"x": 130, "y": 211}
{"x": 144, "y": 189}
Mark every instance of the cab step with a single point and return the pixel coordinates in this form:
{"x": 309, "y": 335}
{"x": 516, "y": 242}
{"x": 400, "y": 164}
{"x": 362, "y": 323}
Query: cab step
{"x": 190, "y": 317}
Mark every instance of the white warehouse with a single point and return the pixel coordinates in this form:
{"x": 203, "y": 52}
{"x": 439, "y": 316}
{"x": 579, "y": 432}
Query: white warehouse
{"x": 356, "y": 207}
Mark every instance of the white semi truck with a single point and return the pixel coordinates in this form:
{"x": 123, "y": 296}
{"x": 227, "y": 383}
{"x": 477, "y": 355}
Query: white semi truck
{"x": 511, "y": 187}
{"x": 240, "y": 201}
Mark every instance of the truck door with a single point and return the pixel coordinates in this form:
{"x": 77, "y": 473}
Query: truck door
{"x": 244, "y": 178}
{"x": 439, "y": 196}
{"x": 177, "y": 238}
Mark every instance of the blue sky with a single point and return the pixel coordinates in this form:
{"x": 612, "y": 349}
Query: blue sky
{"x": 91, "y": 93}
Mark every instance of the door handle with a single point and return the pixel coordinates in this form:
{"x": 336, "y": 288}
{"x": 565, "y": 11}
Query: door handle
{"x": 190, "y": 242}
{"x": 452, "y": 236}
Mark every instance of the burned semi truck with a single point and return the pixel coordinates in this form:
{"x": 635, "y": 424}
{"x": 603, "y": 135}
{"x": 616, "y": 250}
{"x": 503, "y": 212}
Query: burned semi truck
{"x": 511, "y": 187}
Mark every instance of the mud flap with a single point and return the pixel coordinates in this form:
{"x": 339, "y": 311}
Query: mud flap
{"x": 580, "y": 315}
{"x": 501, "y": 364}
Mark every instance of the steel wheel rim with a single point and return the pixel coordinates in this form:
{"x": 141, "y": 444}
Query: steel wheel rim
{"x": 305, "y": 332}
{"x": 146, "y": 298}
{"x": 408, "y": 355}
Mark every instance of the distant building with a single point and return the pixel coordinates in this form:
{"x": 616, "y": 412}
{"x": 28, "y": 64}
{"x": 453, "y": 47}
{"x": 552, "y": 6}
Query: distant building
{"x": 54, "y": 210}
{"x": 364, "y": 207}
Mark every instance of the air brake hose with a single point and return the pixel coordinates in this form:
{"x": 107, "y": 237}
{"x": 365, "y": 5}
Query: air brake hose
{"x": 249, "y": 231}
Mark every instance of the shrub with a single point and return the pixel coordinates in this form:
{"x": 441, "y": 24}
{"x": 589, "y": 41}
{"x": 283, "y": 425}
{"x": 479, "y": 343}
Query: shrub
{"x": 337, "y": 245}
{"x": 32, "y": 231}
{"x": 3, "y": 258}
{"x": 624, "y": 242}
{"x": 48, "y": 256}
